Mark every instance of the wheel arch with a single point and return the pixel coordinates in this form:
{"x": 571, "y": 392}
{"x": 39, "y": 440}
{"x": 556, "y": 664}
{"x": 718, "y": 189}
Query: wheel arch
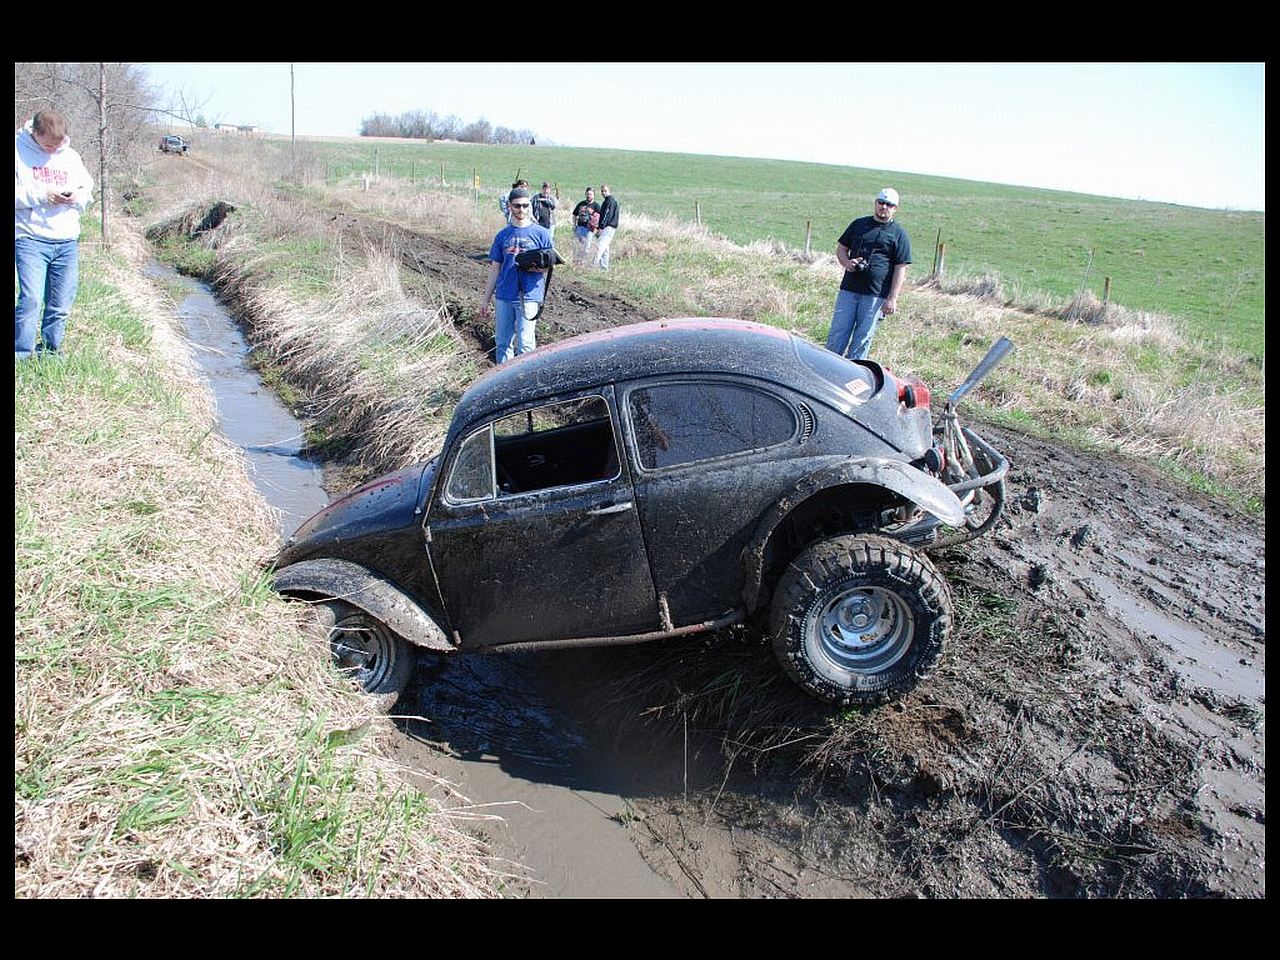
{"x": 842, "y": 481}
{"x": 330, "y": 579}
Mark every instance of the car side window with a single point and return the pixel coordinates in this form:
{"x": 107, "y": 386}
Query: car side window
{"x": 472, "y": 475}
{"x": 677, "y": 423}
{"x": 556, "y": 445}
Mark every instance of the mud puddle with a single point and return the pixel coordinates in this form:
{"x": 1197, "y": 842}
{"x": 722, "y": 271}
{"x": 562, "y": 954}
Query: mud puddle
{"x": 478, "y": 734}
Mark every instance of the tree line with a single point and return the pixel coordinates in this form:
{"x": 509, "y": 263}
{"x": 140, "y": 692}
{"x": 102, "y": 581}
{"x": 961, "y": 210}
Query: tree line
{"x": 427, "y": 125}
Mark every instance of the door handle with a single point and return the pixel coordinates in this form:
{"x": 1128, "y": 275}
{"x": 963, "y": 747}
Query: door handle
{"x": 611, "y": 508}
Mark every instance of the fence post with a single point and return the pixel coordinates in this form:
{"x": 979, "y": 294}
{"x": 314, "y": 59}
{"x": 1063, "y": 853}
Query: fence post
{"x": 1106, "y": 290}
{"x": 942, "y": 261}
{"x": 808, "y": 235}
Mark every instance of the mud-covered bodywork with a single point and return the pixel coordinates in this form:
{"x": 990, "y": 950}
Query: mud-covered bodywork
{"x": 652, "y": 480}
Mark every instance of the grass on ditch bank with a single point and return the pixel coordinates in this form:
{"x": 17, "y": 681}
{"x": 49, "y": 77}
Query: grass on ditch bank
{"x": 175, "y": 733}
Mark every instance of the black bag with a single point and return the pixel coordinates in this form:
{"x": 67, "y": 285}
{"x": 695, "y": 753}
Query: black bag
{"x": 544, "y": 258}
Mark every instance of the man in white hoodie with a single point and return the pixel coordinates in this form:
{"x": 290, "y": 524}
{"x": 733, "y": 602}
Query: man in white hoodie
{"x": 51, "y": 189}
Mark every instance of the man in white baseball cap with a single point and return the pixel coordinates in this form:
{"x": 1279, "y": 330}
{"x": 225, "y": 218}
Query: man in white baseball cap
{"x": 875, "y": 252}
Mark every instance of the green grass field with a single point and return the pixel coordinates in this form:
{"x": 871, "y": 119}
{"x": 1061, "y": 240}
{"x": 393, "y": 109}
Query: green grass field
{"x": 1206, "y": 267}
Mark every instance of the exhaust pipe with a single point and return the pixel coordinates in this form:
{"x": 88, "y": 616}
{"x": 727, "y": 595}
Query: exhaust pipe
{"x": 999, "y": 350}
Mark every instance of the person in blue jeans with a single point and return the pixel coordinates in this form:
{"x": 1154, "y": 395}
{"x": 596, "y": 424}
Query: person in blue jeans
{"x": 515, "y": 294}
{"x": 51, "y": 189}
{"x": 874, "y": 252}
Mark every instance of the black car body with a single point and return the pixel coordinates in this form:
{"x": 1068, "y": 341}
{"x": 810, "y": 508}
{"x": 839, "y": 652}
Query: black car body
{"x": 654, "y": 480}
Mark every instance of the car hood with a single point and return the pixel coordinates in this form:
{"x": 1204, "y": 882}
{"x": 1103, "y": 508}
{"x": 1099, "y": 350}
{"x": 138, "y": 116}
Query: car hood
{"x": 390, "y": 502}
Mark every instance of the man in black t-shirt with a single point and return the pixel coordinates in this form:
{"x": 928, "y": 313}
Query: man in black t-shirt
{"x": 874, "y": 252}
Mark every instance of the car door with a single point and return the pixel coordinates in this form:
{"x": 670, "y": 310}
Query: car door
{"x": 533, "y": 531}
{"x": 710, "y": 457}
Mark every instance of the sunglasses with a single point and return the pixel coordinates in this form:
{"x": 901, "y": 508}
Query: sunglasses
{"x": 886, "y": 203}
{"x": 521, "y": 206}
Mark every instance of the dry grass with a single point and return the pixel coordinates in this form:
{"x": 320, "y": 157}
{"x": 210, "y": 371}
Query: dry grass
{"x": 176, "y": 735}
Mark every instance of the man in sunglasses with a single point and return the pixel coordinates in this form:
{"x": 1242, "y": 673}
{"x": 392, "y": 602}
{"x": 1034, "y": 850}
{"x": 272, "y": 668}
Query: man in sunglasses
{"x": 874, "y": 252}
{"x": 515, "y": 294}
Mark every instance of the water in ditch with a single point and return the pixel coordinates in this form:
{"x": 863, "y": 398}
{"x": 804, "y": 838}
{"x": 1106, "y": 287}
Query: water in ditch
{"x": 477, "y": 734}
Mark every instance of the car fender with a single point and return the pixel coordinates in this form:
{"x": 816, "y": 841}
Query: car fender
{"x": 925, "y": 491}
{"x": 377, "y": 596}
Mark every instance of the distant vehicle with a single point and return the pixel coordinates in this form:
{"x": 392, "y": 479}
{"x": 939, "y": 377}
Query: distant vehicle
{"x": 174, "y": 144}
{"x": 657, "y": 480}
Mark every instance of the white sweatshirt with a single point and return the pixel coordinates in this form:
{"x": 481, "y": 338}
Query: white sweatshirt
{"x": 35, "y": 173}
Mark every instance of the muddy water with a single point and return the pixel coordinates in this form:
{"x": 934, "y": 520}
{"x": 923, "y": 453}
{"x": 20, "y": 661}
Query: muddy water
{"x": 249, "y": 413}
{"x": 477, "y": 734}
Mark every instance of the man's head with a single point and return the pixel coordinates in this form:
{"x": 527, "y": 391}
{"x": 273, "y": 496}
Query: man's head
{"x": 519, "y": 203}
{"x": 886, "y": 204}
{"x": 604, "y": 190}
{"x": 546, "y": 187}
{"x": 49, "y": 128}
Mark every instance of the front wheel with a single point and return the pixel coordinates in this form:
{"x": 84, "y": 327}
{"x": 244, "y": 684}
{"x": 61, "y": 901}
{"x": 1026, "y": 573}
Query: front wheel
{"x": 860, "y": 619}
{"x": 366, "y": 649}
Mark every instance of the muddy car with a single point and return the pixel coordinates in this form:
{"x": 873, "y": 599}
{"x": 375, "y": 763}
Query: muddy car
{"x": 174, "y": 144}
{"x": 659, "y": 480}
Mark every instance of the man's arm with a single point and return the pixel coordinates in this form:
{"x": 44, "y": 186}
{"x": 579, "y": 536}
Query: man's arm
{"x": 895, "y": 287}
{"x": 490, "y": 285}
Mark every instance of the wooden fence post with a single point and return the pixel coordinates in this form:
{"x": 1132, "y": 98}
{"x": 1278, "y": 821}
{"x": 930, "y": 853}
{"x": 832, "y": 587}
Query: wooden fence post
{"x": 697, "y": 212}
{"x": 808, "y": 235}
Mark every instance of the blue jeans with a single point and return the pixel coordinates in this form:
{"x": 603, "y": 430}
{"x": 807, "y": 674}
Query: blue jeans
{"x": 583, "y": 249}
{"x": 48, "y": 275}
{"x": 853, "y": 323}
{"x": 509, "y": 325}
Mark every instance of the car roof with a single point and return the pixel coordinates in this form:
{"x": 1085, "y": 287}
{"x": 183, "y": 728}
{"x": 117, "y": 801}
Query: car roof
{"x": 633, "y": 351}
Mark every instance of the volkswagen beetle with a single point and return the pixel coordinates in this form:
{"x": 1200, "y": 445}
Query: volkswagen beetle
{"x": 657, "y": 480}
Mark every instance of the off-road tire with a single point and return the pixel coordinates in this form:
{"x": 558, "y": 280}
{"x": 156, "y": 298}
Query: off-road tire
{"x": 859, "y": 620}
{"x": 367, "y": 650}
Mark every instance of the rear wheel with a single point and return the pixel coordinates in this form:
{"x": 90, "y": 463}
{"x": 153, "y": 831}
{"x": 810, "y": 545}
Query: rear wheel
{"x": 367, "y": 650}
{"x": 860, "y": 619}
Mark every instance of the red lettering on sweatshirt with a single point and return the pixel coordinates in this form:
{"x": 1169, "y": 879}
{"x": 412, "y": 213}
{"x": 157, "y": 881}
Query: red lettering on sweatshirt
{"x": 57, "y": 178}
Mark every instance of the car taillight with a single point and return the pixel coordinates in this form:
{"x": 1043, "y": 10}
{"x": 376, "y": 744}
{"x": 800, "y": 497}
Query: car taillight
{"x": 913, "y": 393}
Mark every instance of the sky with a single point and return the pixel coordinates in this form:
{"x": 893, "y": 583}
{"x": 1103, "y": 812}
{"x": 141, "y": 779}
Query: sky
{"x": 1186, "y": 133}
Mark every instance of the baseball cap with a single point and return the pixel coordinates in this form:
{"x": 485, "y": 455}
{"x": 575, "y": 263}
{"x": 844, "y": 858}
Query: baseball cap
{"x": 888, "y": 195}
{"x": 519, "y": 193}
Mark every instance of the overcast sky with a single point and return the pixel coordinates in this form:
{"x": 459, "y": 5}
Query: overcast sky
{"x": 1189, "y": 133}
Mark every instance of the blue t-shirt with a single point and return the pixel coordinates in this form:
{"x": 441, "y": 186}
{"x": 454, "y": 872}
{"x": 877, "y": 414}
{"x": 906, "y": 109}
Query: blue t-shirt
{"x": 513, "y": 283}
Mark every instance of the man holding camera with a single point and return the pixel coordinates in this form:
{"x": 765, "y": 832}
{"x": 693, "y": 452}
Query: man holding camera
{"x": 874, "y": 252}
{"x": 518, "y": 292}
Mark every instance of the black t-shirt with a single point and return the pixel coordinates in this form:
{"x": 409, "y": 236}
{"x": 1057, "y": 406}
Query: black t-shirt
{"x": 590, "y": 206}
{"x": 884, "y": 245}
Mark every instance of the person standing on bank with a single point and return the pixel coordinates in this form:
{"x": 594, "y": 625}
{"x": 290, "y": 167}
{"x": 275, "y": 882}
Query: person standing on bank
{"x": 518, "y": 293}
{"x": 583, "y": 230}
{"x": 544, "y": 209}
{"x": 51, "y": 189}
{"x": 609, "y": 210}
{"x": 874, "y": 252}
